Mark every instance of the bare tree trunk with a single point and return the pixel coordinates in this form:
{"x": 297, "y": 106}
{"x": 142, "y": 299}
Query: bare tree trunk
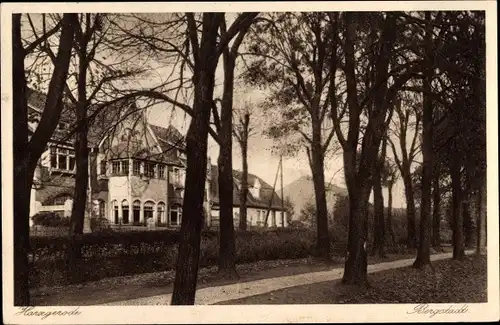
{"x": 423, "y": 253}
{"x": 424, "y": 248}
{"x": 436, "y": 214}
{"x": 196, "y": 151}
{"x": 22, "y": 174}
{"x": 359, "y": 182}
{"x": 244, "y": 177}
{"x": 378, "y": 202}
{"x": 80, "y": 194}
{"x": 317, "y": 168}
{"x": 481, "y": 216}
{"x": 389, "y": 213}
{"x": 27, "y": 154}
{"x": 81, "y": 158}
{"x": 458, "y": 235}
{"x": 355, "y": 271}
{"x": 227, "y": 248}
{"x": 468, "y": 224}
{"x": 410, "y": 212}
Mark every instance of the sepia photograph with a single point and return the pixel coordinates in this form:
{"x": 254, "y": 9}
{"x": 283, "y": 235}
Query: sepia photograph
{"x": 252, "y": 162}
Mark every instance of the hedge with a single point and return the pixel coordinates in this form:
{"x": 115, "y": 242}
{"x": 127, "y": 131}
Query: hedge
{"x": 50, "y": 219}
{"x": 112, "y": 254}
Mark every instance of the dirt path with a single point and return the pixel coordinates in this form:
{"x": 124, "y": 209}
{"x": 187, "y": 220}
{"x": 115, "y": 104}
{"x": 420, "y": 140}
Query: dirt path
{"x": 217, "y": 294}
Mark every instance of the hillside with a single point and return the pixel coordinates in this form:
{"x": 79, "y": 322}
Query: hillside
{"x": 301, "y": 191}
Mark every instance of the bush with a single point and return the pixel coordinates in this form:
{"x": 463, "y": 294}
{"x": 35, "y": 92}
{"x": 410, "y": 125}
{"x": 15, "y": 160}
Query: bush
{"x": 51, "y": 219}
{"x": 117, "y": 254}
{"x": 100, "y": 225}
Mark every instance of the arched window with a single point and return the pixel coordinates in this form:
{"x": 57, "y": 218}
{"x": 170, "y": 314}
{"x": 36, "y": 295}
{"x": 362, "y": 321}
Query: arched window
{"x": 115, "y": 212}
{"x": 160, "y": 215}
{"x": 102, "y": 208}
{"x": 148, "y": 209}
{"x": 175, "y": 215}
{"x": 125, "y": 212}
{"x": 137, "y": 211}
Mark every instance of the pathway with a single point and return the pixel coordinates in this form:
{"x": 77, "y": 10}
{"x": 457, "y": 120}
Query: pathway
{"x": 213, "y": 295}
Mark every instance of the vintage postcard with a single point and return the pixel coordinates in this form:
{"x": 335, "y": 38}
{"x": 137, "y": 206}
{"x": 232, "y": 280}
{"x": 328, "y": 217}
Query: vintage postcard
{"x": 249, "y": 162}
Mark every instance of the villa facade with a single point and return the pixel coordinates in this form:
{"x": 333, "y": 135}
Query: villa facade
{"x": 136, "y": 173}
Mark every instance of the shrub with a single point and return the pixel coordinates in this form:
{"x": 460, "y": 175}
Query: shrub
{"x": 50, "y": 219}
{"x": 115, "y": 254}
{"x": 100, "y": 225}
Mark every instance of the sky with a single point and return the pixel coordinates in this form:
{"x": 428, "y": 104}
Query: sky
{"x": 261, "y": 160}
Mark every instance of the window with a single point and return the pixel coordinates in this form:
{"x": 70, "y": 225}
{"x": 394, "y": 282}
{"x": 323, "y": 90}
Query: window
{"x": 161, "y": 171}
{"x": 148, "y": 209}
{"x": 137, "y": 211}
{"x": 115, "y": 167}
{"x": 115, "y": 212}
{"x": 71, "y": 162}
{"x": 160, "y": 215}
{"x": 53, "y": 157}
{"x": 177, "y": 177}
{"x": 125, "y": 167}
{"x": 125, "y": 212}
{"x": 136, "y": 166}
{"x": 62, "y": 159}
{"x": 103, "y": 167}
{"x": 175, "y": 215}
{"x": 149, "y": 169}
{"x": 102, "y": 208}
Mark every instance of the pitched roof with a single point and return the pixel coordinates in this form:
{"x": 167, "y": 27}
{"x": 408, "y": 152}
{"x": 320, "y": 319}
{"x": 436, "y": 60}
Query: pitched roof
{"x": 168, "y": 137}
{"x": 267, "y": 195}
{"x": 103, "y": 121}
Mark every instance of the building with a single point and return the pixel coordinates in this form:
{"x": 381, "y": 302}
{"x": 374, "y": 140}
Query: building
{"x": 136, "y": 173}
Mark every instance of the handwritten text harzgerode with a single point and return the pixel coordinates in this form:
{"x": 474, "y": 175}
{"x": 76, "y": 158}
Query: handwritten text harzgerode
{"x": 43, "y": 314}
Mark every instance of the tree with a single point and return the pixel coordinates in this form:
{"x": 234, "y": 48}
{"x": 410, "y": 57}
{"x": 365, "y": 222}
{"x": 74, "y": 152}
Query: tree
{"x": 243, "y": 130}
{"x": 27, "y": 151}
{"x": 227, "y": 250}
{"x": 401, "y": 126}
{"x": 381, "y": 172}
{"x": 423, "y": 253}
{"x": 378, "y": 97}
{"x": 291, "y": 56}
{"x": 456, "y": 89}
{"x": 392, "y": 176}
{"x": 206, "y": 51}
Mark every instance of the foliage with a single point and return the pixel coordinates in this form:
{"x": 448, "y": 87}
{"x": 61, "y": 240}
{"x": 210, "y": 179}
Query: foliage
{"x": 111, "y": 254}
{"x": 100, "y": 225}
{"x": 308, "y": 214}
{"x": 50, "y": 219}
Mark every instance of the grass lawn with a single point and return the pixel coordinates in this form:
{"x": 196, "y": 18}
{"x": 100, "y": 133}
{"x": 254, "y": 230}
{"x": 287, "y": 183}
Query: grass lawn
{"x": 448, "y": 281}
